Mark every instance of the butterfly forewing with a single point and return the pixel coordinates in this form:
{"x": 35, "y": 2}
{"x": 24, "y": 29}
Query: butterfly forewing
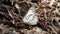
{"x": 30, "y": 18}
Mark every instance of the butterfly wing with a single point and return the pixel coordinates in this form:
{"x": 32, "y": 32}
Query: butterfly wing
{"x": 30, "y": 18}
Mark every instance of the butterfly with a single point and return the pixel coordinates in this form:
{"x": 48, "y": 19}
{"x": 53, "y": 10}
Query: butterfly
{"x": 30, "y": 18}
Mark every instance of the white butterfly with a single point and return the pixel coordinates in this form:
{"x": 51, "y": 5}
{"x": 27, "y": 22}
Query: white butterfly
{"x": 31, "y": 18}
